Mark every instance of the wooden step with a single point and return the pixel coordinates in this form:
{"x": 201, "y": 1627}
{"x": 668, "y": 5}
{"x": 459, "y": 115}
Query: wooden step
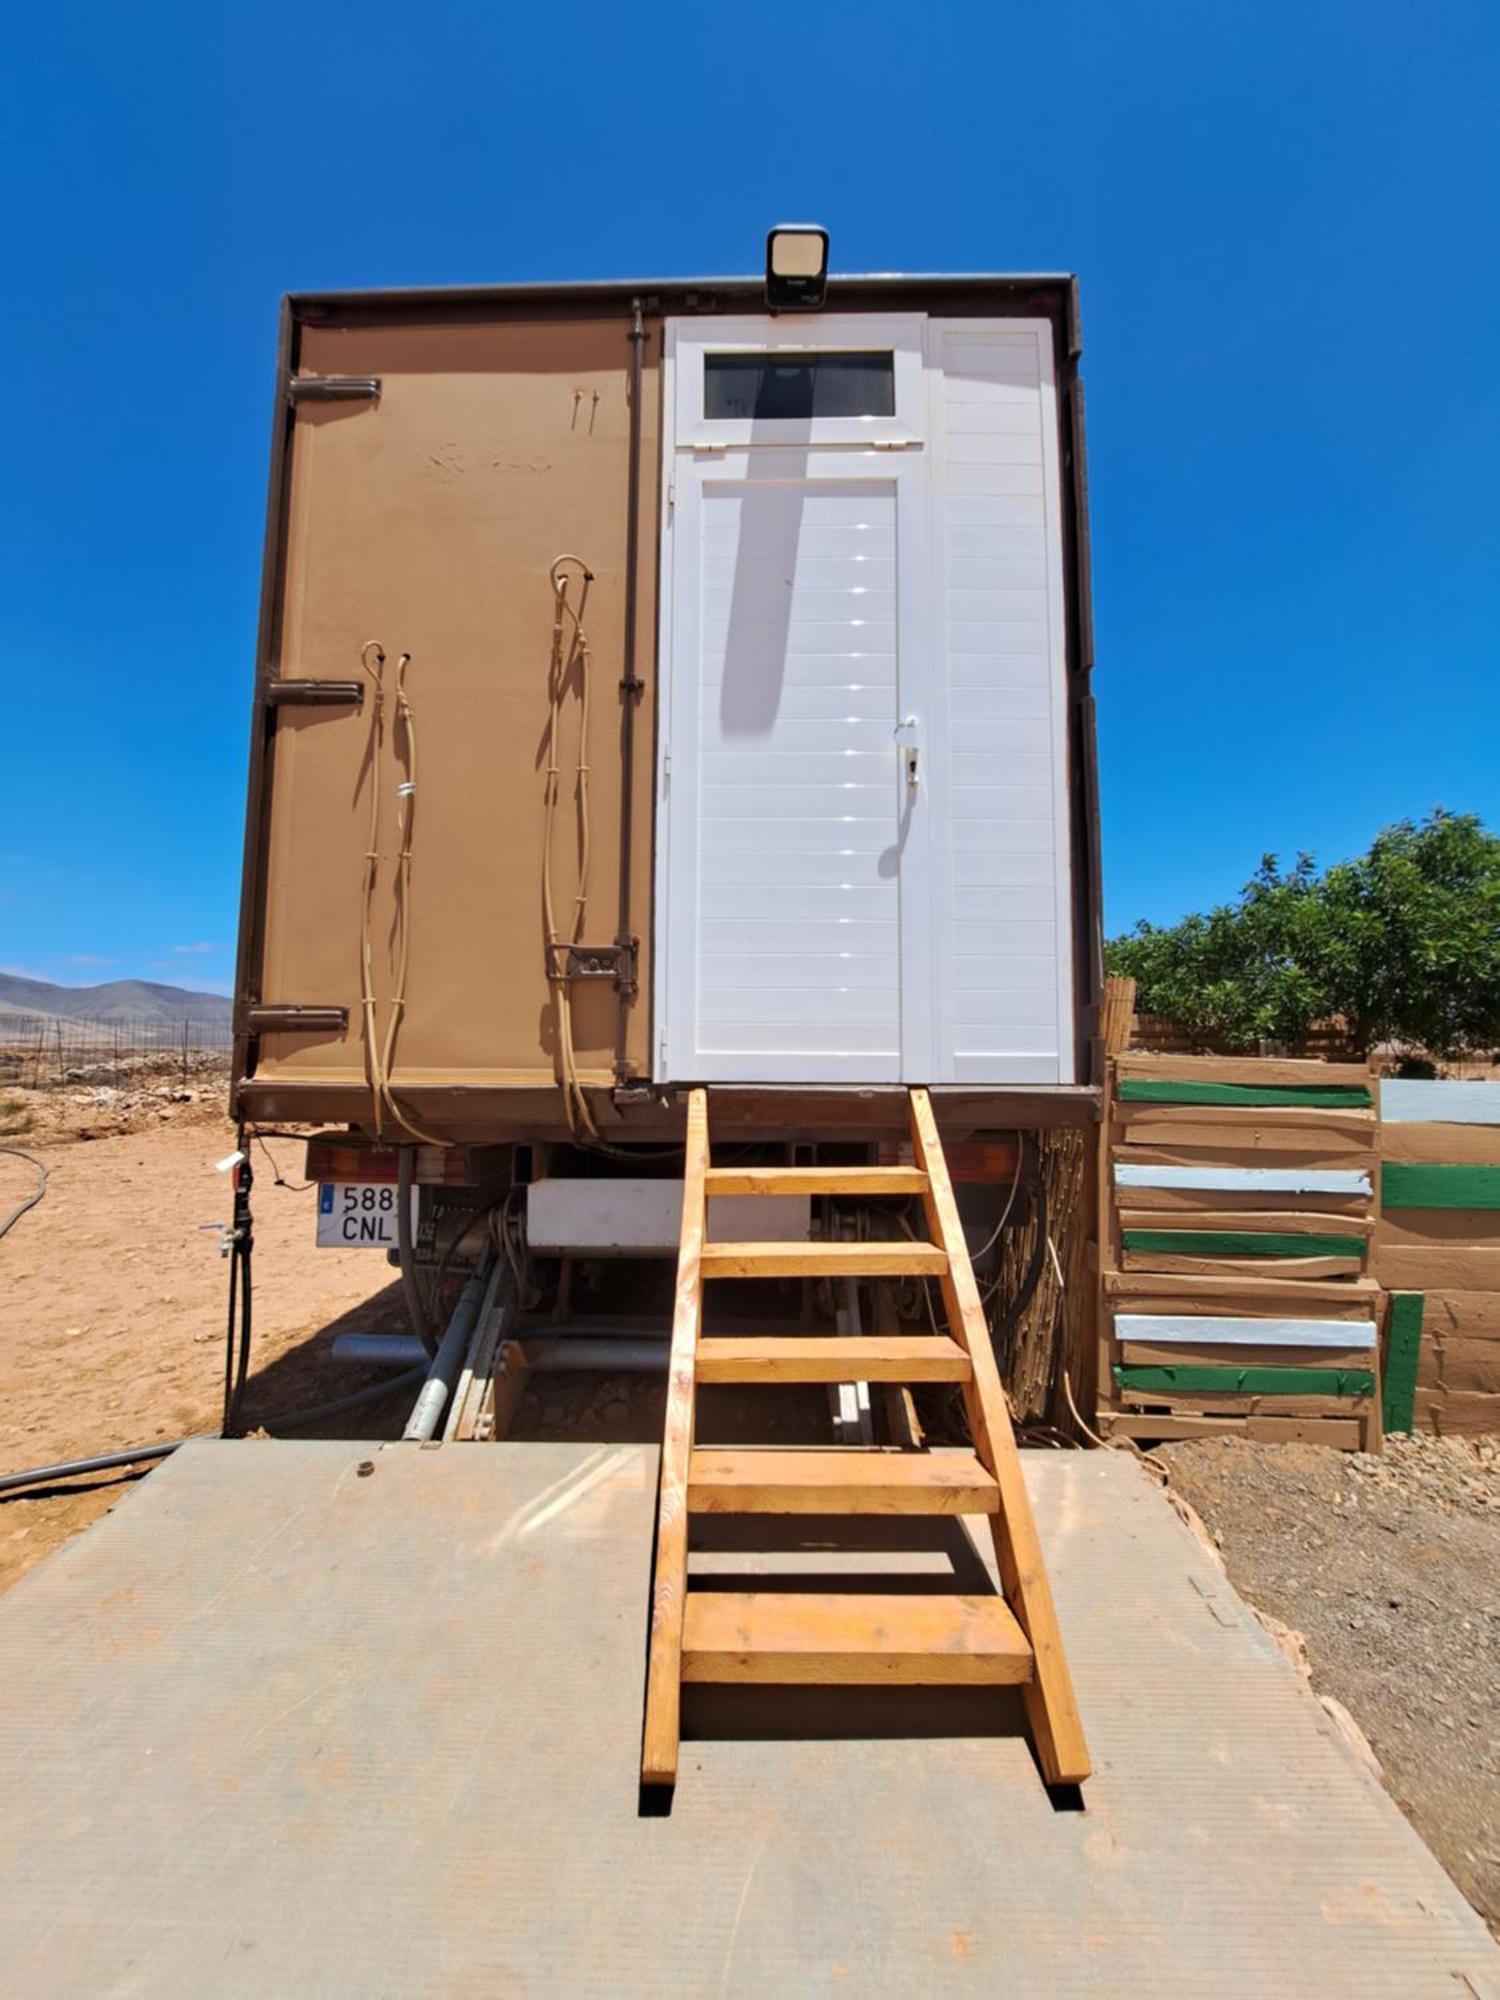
{"x": 918, "y": 1357}
{"x": 822, "y": 1260}
{"x": 841, "y": 1480}
{"x": 817, "y": 1180}
{"x": 782, "y": 1636}
{"x": 837, "y": 1636}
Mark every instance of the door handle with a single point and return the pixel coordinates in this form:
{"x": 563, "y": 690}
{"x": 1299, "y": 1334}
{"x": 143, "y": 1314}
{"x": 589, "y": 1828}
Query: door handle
{"x": 911, "y": 750}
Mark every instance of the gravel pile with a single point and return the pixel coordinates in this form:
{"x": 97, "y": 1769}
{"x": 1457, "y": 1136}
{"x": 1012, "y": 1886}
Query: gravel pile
{"x": 1454, "y": 1474}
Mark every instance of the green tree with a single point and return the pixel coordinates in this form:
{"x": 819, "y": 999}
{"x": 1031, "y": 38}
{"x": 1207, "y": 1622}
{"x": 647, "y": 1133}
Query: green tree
{"x": 1402, "y": 943}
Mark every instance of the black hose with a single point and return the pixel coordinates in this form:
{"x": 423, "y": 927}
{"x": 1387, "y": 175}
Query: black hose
{"x": 32, "y": 1199}
{"x": 141, "y": 1454}
{"x": 408, "y": 1379}
{"x": 238, "y": 1312}
{"x": 242, "y": 1373}
{"x": 46, "y": 1475}
{"x": 231, "y": 1323}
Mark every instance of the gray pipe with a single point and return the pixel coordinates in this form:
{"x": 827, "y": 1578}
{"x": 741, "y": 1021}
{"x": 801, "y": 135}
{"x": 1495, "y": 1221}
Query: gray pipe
{"x": 609, "y": 1357}
{"x": 381, "y": 1350}
{"x": 593, "y": 1329}
{"x": 478, "y": 1294}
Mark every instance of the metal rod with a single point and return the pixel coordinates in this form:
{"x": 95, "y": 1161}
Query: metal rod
{"x": 381, "y": 1350}
{"x": 477, "y": 1295}
{"x": 630, "y": 686}
{"x": 608, "y": 1357}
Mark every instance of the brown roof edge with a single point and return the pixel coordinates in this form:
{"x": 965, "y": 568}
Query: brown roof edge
{"x": 1050, "y": 293}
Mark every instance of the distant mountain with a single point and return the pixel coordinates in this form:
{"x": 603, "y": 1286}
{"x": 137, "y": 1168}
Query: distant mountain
{"x": 116, "y": 1000}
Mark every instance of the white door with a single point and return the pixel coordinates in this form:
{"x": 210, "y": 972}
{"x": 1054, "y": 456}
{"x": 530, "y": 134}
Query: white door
{"x": 793, "y": 907}
{"x": 863, "y": 824}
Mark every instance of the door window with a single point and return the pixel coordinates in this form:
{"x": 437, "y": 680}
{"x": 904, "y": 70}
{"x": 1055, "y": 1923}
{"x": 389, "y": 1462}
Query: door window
{"x": 792, "y": 386}
{"x": 855, "y": 380}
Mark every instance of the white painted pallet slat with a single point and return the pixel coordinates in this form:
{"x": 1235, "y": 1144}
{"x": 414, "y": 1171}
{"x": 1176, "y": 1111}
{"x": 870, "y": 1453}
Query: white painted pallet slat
{"x": 1205, "y": 1331}
{"x": 1420, "y": 1101}
{"x": 1247, "y": 1180}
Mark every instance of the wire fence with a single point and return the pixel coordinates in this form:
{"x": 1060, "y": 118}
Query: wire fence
{"x": 45, "y": 1051}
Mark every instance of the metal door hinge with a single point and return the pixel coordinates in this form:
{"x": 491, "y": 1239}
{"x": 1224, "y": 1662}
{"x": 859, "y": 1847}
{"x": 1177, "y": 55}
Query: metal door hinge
{"x": 615, "y": 961}
{"x": 296, "y": 1020}
{"x": 316, "y": 694}
{"x": 895, "y": 444}
{"x": 332, "y": 388}
{"x": 666, "y": 761}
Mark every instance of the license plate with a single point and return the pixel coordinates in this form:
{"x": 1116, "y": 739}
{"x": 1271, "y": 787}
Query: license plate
{"x": 358, "y": 1215}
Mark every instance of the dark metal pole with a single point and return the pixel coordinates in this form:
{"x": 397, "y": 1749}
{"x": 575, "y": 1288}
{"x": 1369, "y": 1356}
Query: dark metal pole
{"x": 631, "y": 689}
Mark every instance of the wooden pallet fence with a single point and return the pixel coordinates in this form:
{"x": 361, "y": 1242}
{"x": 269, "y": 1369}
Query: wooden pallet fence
{"x": 1436, "y": 1247}
{"x": 1240, "y": 1213}
{"x": 1325, "y": 1041}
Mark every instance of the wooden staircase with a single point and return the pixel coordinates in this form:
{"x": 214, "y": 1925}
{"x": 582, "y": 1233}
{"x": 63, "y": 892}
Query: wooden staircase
{"x": 769, "y": 1636}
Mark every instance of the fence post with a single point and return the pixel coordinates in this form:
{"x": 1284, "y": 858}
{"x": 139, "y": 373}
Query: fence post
{"x": 1118, "y": 1013}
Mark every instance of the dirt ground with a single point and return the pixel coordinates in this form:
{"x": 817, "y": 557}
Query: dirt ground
{"x": 1389, "y": 1569}
{"x": 112, "y": 1301}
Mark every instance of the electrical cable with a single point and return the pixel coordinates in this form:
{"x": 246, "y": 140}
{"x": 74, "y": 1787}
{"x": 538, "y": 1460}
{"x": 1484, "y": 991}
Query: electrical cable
{"x": 1010, "y": 1202}
{"x": 372, "y": 869}
{"x": 467, "y": 1217}
{"x": 511, "y": 1242}
{"x": 280, "y": 1179}
{"x": 1126, "y": 1444}
{"x": 570, "y": 662}
{"x": 1006, "y": 1321}
{"x": 46, "y": 1475}
{"x": 294, "y": 1419}
{"x": 32, "y": 1199}
{"x": 406, "y": 792}
{"x": 991, "y": 1241}
{"x": 380, "y": 1055}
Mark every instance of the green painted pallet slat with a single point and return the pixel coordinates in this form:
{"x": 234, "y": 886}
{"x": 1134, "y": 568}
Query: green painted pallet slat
{"x": 1204, "y": 1380}
{"x": 1407, "y": 1184}
{"x": 1403, "y": 1349}
{"x": 1317, "y": 1096}
{"x": 1241, "y": 1243}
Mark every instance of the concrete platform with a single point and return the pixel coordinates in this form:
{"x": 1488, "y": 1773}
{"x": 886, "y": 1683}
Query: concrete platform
{"x": 278, "y": 1726}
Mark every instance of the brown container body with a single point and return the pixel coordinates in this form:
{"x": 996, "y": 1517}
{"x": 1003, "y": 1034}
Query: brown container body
{"x": 426, "y": 517}
{"x": 428, "y": 520}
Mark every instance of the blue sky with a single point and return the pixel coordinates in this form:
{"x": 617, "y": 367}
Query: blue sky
{"x": 1284, "y": 217}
